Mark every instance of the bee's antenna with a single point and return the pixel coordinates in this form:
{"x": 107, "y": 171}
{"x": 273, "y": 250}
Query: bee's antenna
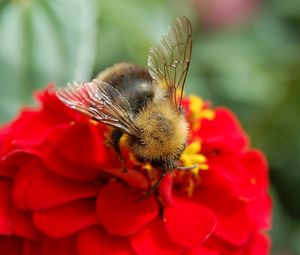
{"x": 154, "y": 187}
{"x": 187, "y": 167}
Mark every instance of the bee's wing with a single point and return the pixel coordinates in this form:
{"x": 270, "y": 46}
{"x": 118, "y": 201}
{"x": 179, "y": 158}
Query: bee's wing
{"x": 100, "y": 101}
{"x": 169, "y": 61}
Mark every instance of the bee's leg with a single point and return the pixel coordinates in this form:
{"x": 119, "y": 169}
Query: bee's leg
{"x": 154, "y": 187}
{"x": 115, "y": 139}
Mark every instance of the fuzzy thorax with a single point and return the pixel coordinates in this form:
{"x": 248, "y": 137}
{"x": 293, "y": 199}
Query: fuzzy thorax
{"x": 163, "y": 135}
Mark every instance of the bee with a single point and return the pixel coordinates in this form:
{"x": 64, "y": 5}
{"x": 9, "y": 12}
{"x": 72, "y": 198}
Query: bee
{"x": 143, "y": 103}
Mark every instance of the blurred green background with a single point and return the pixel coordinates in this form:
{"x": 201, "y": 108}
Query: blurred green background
{"x": 246, "y": 56}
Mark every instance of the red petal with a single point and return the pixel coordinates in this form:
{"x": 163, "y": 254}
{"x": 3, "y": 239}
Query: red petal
{"x": 188, "y": 223}
{"x": 202, "y": 251}
{"x": 5, "y": 207}
{"x": 61, "y": 246}
{"x": 66, "y": 219}
{"x": 133, "y": 177}
{"x": 22, "y": 184}
{"x": 256, "y": 174}
{"x": 259, "y": 244}
{"x": 52, "y": 107}
{"x": 224, "y": 248}
{"x": 95, "y": 241}
{"x": 21, "y": 133}
{"x": 23, "y": 224}
{"x": 234, "y": 221}
{"x": 56, "y": 163}
{"x": 8, "y": 170}
{"x": 76, "y": 138}
{"x": 34, "y": 183}
{"x": 121, "y": 213}
{"x": 62, "y": 152}
{"x": 11, "y": 245}
{"x": 12, "y": 161}
{"x": 48, "y": 189}
{"x": 154, "y": 239}
{"x": 221, "y": 145}
{"x": 242, "y": 175}
{"x": 55, "y": 160}
{"x": 225, "y": 123}
{"x": 32, "y": 126}
{"x": 32, "y": 248}
{"x": 226, "y": 174}
{"x": 261, "y": 212}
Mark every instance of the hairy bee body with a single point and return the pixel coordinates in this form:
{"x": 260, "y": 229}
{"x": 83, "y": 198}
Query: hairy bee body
{"x": 163, "y": 135}
{"x": 163, "y": 130}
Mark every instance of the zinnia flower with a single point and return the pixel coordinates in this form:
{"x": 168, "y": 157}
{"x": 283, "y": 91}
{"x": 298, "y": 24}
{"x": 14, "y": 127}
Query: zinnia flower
{"x": 63, "y": 191}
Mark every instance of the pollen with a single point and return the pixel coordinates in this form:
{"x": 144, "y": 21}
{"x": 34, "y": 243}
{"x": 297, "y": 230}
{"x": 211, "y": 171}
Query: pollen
{"x": 199, "y": 112}
{"x": 123, "y": 140}
{"x": 93, "y": 122}
{"x": 147, "y": 166}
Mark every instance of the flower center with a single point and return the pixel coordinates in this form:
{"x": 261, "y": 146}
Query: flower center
{"x": 187, "y": 181}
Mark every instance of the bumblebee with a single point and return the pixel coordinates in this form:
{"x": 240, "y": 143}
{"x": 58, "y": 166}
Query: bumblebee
{"x": 143, "y": 103}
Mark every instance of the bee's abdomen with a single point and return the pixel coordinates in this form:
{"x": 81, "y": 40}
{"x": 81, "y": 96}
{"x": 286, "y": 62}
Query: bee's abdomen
{"x": 132, "y": 81}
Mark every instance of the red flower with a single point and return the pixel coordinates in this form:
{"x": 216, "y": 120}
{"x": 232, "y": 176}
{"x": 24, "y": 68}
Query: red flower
{"x": 226, "y": 13}
{"x": 63, "y": 191}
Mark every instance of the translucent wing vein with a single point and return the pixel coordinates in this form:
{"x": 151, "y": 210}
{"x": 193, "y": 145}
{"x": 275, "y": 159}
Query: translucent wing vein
{"x": 169, "y": 61}
{"x": 100, "y": 101}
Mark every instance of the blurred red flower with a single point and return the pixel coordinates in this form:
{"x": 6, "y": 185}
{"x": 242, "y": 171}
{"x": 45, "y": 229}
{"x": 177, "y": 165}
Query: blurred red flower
{"x": 226, "y": 13}
{"x": 62, "y": 190}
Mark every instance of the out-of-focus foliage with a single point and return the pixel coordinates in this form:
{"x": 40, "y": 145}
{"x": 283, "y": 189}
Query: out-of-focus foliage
{"x": 43, "y": 41}
{"x": 250, "y": 65}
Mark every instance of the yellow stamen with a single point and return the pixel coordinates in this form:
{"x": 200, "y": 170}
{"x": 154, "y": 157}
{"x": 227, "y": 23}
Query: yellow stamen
{"x": 192, "y": 156}
{"x": 198, "y": 112}
{"x": 208, "y": 114}
{"x": 196, "y": 103}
